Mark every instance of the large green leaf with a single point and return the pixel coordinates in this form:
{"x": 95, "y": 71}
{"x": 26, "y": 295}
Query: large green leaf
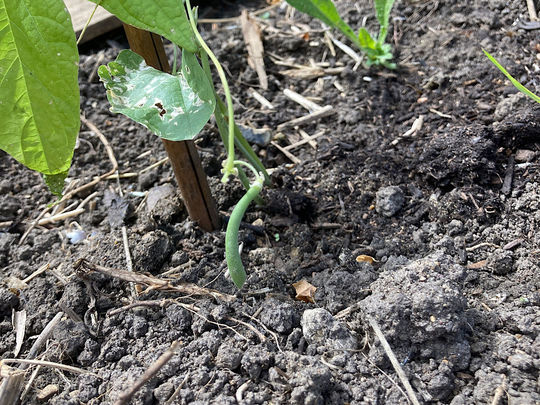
{"x": 164, "y": 17}
{"x": 326, "y": 11}
{"x": 172, "y": 107}
{"x": 39, "y": 94}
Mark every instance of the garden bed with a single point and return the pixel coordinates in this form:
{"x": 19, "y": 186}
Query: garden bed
{"x": 430, "y": 169}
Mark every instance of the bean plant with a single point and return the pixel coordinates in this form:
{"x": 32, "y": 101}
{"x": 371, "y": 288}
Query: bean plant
{"x": 41, "y": 104}
{"x": 377, "y": 51}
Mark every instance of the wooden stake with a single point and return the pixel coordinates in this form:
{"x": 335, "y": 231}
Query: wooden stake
{"x": 182, "y": 154}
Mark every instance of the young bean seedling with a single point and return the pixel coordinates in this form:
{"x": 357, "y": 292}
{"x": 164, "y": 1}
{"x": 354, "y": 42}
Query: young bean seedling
{"x": 176, "y": 106}
{"x": 40, "y": 104}
{"x": 377, "y": 51}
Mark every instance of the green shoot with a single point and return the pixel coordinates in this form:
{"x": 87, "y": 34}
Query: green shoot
{"x": 376, "y": 50}
{"x": 517, "y": 84}
{"x": 228, "y": 167}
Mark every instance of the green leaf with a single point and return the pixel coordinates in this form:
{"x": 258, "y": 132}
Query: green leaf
{"x": 517, "y": 84}
{"x": 326, "y": 11}
{"x": 172, "y": 107}
{"x": 366, "y": 41}
{"x": 382, "y": 10}
{"x": 55, "y": 182}
{"x": 164, "y": 17}
{"x": 39, "y": 94}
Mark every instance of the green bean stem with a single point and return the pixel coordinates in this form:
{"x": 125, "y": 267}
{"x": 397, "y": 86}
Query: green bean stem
{"x": 232, "y": 255}
{"x": 229, "y": 163}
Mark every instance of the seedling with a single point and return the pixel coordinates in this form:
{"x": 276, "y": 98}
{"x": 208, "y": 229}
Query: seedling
{"x": 376, "y": 50}
{"x": 517, "y": 84}
{"x": 42, "y": 104}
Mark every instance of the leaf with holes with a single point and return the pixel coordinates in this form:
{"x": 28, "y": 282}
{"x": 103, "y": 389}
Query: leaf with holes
{"x": 39, "y": 94}
{"x": 173, "y": 107}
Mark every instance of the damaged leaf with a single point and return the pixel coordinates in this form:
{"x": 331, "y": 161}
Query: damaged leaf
{"x": 305, "y": 291}
{"x": 174, "y": 107}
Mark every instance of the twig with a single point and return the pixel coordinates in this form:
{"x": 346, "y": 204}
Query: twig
{"x": 240, "y": 392}
{"x": 61, "y": 216}
{"x": 481, "y": 245}
{"x": 499, "y": 392}
{"x": 347, "y": 49}
{"x": 274, "y": 335}
{"x": 177, "y": 391}
{"x": 150, "y": 303}
{"x": 148, "y": 374}
{"x": 154, "y": 165}
{"x": 92, "y": 75}
{"x": 307, "y": 139}
{"x": 153, "y": 282}
{"x": 440, "y": 114}
{"x": 387, "y": 376}
{"x": 261, "y": 337}
{"x": 96, "y": 180}
{"x": 252, "y": 38}
{"x": 48, "y": 364}
{"x": 36, "y": 273}
{"x": 393, "y": 360}
{"x": 11, "y": 387}
{"x": 261, "y": 99}
{"x": 532, "y": 10}
{"x": 324, "y": 111}
{"x": 412, "y": 131}
{"x": 291, "y": 157}
{"x": 300, "y": 99}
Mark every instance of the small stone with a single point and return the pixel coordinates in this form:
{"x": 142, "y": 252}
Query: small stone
{"x": 228, "y": 357}
{"x": 524, "y": 155}
{"x": 163, "y": 204}
{"x": 389, "y": 200}
{"x": 322, "y": 329}
{"x": 152, "y": 251}
{"x": 48, "y": 391}
{"x": 255, "y": 360}
{"x": 147, "y": 179}
{"x": 500, "y": 262}
{"x": 521, "y": 361}
{"x": 279, "y": 316}
{"x": 8, "y": 301}
{"x": 6, "y": 240}
{"x": 158, "y": 193}
{"x": 455, "y": 227}
{"x": 179, "y": 317}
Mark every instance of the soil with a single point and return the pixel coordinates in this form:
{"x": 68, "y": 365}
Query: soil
{"x": 449, "y": 214}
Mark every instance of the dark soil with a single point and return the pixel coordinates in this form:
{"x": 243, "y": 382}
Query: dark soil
{"x": 450, "y": 214}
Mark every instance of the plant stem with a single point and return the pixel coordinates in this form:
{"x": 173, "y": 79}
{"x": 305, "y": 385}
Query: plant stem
{"x": 229, "y": 165}
{"x": 232, "y": 255}
{"x": 81, "y": 35}
{"x": 175, "y": 59}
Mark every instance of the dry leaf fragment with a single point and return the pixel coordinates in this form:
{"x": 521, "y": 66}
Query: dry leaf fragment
{"x": 252, "y": 38}
{"x": 305, "y": 291}
{"x": 18, "y": 320}
{"x": 365, "y": 258}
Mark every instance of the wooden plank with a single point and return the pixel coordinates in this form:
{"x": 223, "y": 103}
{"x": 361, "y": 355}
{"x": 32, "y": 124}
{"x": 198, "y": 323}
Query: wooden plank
{"x": 101, "y": 23}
